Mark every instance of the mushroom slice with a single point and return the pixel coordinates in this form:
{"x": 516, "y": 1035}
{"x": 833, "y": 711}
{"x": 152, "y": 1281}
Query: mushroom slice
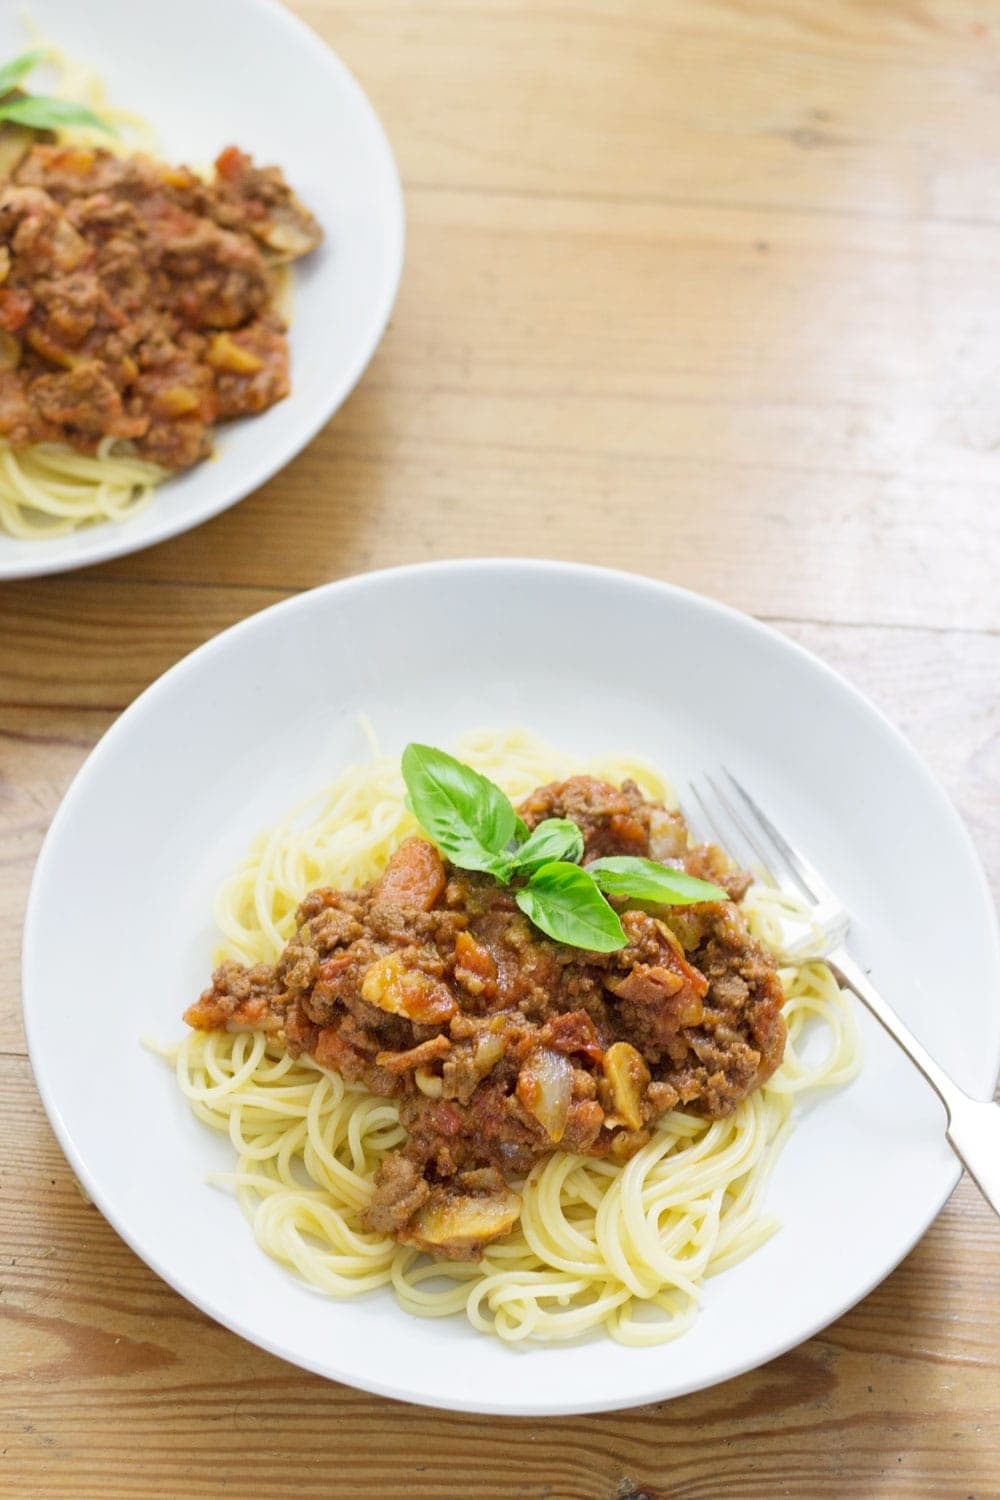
{"x": 628, "y": 1076}
{"x": 290, "y": 232}
{"x": 462, "y": 1216}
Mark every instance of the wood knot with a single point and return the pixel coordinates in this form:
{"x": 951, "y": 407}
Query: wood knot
{"x": 627, "y": 1490}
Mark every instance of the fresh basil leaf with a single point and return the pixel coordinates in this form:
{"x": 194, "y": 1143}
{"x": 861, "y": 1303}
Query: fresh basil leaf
{"x": 646, "y": 880}
{"x": 521, "y": 829}
{"x": 465, "y": 814}
{"x": 564, "y": 902}
{"x": 42, "y": 113}
{"x": 555, "y": 838}
{"x": 19, "y": 67}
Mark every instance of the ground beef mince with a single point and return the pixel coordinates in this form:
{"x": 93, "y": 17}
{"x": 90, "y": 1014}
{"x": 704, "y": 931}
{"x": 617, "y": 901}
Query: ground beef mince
{"x": 432, "y": 987}
{"x": 137, "y": 300}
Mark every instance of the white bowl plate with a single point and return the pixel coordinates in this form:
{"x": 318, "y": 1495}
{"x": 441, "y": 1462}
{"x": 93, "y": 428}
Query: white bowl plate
{"x": 119, "y": 937}
{"x": 250, "y": 73}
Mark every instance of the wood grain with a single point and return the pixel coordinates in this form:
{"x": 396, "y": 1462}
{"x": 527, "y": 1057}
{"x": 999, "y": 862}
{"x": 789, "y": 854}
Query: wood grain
{"x": 857, "y": 108}
{"x": 705, "y": 290}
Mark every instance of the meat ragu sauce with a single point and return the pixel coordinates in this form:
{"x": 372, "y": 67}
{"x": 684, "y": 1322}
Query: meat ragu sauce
{"x": 501, "y": 1045}
{"x": 136, "y": 299}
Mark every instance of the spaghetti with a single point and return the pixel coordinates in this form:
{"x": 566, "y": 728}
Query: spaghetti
{"x": 47, "y": 489}
{"x": 598, "y": 1246}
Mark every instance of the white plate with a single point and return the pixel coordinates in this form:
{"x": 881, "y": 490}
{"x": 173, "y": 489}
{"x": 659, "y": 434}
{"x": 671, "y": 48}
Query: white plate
{"x": 259, "y": 78}
{"x": 118, "y": 937}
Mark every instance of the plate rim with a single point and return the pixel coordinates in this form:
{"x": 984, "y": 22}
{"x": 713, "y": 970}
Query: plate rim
{"x": 509, "y": 565}
{"x": 114, "y": 544}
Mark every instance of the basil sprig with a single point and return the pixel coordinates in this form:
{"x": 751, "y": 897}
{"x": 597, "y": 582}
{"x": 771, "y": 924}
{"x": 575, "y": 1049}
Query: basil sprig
{"x": 12, "y": 72}
{"x": 646, "y": 880}
{"x": 465, "y": 814}
{"x": 553, "y": 839}
{"x": 39, "y": 110}
{"x": 564, "y": 901}
{"x": 474, "y": 824}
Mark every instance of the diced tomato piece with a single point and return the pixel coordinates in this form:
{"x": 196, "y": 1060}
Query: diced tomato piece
{"x": 414, "y": 876}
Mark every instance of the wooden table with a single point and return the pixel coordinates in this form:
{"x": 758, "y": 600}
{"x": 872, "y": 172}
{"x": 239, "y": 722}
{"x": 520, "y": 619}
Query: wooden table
{"x": 706, "y": 290}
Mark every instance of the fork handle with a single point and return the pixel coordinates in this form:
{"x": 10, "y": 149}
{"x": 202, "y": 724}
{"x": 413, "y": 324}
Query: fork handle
{"x": 973, "y": 1124}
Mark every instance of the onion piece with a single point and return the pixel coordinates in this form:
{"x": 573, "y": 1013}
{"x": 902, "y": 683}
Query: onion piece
{"x": 545, "y": 1087}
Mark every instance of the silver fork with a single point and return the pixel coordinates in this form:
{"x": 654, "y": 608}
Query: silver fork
{"x": 973, "y": 1124}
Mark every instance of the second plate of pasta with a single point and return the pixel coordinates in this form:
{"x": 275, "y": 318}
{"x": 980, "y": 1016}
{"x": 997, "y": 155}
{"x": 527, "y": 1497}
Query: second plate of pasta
{"x": 194, "y": 281}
